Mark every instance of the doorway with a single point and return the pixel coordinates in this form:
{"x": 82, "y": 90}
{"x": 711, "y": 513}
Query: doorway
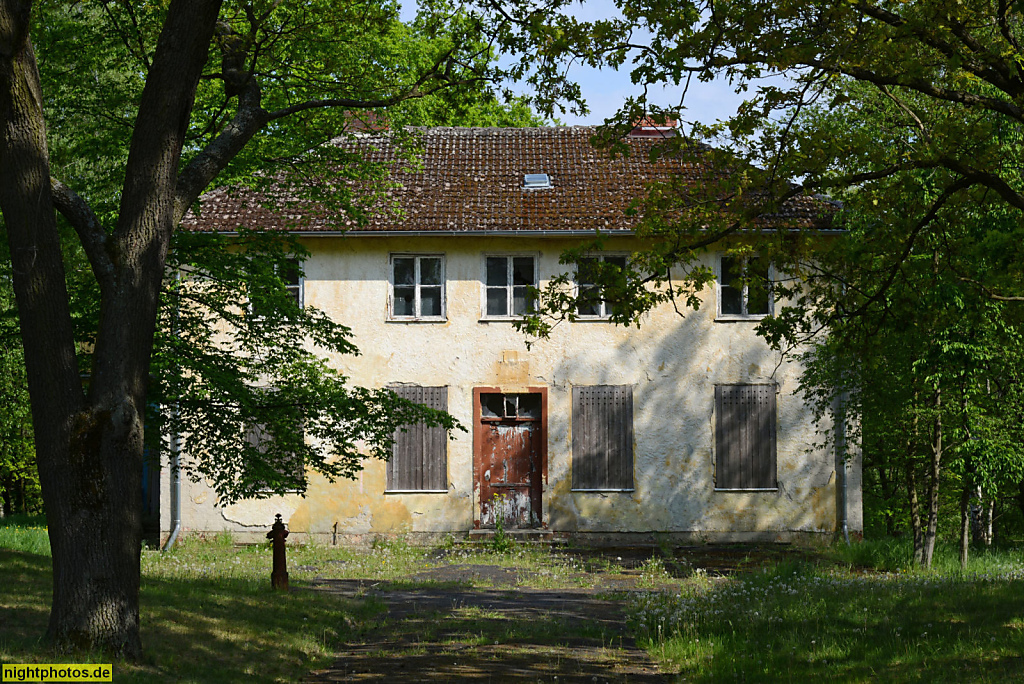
{"x": 509, "y": 458}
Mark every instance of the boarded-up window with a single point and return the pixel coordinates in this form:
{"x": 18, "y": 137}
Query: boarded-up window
{"x": 602, "y": 437}
{"x": 745, "y": 436}
{"x": 419, "y": 461}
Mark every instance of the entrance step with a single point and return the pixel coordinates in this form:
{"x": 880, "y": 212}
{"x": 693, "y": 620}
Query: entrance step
{"x": 519, "y": 535}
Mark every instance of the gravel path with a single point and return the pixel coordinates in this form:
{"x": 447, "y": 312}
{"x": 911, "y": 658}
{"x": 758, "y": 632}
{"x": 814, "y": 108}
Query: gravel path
{"x": 505, "y": 634}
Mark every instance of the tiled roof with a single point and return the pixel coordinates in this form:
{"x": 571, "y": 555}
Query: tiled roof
{"x": 471, "y": 179}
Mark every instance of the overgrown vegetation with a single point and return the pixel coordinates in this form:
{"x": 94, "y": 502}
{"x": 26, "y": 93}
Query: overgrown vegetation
{"x": 849, "y": 613}
{"x": 795, "y": 621}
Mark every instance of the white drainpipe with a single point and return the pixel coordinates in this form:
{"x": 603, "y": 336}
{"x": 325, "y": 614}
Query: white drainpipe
{"x": 175, "y": 490}
{"x": 175, "y": 444}
{"x": 839, "y": 414}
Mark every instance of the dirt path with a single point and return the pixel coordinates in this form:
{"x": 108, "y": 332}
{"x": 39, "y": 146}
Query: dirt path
{"x": 504, "y": 634}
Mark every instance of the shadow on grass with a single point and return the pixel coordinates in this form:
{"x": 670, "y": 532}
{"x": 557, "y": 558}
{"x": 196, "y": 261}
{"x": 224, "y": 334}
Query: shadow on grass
{"x": 193, "y": 630}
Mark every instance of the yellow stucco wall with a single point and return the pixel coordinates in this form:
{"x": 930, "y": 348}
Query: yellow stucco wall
{"x": 672, "y": 362}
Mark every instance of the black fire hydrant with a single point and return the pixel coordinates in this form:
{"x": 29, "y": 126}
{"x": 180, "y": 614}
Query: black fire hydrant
{"x": 279, "y": 575}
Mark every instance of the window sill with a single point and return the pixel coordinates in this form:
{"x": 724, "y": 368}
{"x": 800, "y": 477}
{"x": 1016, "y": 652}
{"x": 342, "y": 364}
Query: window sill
{"x": 415, "y": 491}
{"x": 733, "y": 318}
{"x": 592, "y": 319}
{"x": 749, "y": 489}
{"x": 501, "y": 319}
{"x": 438, "y": 319}
{"x": 602, "y": 491}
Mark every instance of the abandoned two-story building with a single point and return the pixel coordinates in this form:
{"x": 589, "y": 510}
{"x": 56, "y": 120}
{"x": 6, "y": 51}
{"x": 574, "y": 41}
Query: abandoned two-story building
{"x": 690, "y": 426}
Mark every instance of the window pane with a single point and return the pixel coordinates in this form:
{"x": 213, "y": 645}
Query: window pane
{"x": 405, "y": 298}
{"x": 732, "y": 297}
{"x": 731, "y": 300}
{"x": 522, "y": 271}
{"x": 757, "y": 297}
{"x": 619, "y": 261}
{"x": 585, "y": 271}
{"x": 497, "y": 271}
{"x": 430, "y": 301}
{"x": 520, "y": 304}
{"x": 497, "y": 301}
{"x": 405, "y": 271}
{"x": 529, "y": 406}
{"x": 430, "y": 271}
{"x": 290, "y": 272}
{"x": 294, "y": 292}
{"x": 588, "y": 305}
{"x": 758, "y": 289}
{"x": 492, "y": 405}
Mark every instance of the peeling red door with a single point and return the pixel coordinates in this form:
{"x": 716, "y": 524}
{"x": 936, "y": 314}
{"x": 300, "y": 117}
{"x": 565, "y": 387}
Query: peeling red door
{"x": 509, "y": 472}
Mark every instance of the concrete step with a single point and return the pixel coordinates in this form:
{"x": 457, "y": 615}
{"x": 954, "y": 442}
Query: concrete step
{"x": 519, "y": 535}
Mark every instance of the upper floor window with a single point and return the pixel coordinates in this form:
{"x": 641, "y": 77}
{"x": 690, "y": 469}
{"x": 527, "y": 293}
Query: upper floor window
{"x": 744, "y": 288}
{"x": 507, "y": 281}
{"x": 290, "y": 273}
{"x": 417, "y": 284}
{"x": 590, "y": 304}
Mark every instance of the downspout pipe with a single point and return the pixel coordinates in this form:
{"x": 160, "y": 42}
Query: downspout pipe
{"x": 175, "y": 445}
{"x": 839, "y": 413}
{"x": 175, "y": 490}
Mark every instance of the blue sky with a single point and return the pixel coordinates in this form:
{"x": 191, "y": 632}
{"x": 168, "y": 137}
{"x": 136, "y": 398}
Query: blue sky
{"x": 606, "y": 90}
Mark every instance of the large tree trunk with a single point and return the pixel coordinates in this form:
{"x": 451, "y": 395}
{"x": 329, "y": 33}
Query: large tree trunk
{"x": 89, "y": 448}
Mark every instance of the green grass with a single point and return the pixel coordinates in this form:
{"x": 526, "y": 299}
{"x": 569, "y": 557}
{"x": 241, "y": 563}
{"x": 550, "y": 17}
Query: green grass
{"x": 24, "y": 533}
{"x": 804, "y": 621}
{"x": 849, "y": 614}
{"x": 207, "y": 615}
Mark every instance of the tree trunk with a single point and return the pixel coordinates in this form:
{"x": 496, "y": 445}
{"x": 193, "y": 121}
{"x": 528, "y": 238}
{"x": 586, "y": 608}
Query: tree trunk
{"x": 89, "y": 449}
{"x": 965, "y": 524}
{"x": 915, "y": 506}
{"x": 990, "y": 511}
{"x": 933, "y": 480}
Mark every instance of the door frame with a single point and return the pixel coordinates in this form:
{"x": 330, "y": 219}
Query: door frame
{"x": 542, "y": 442}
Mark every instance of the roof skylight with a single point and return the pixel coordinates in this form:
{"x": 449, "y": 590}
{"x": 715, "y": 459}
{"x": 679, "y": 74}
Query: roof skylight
{"x": 536, "y": 181}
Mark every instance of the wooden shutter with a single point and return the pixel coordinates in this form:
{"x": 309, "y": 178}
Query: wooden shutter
{"x": 745, "y": 436}
{"x": 419, "y": 460}
{"x": 602, "y": 437}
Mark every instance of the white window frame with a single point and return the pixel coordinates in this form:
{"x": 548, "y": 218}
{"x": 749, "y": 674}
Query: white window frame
{"x": 509, "y": 287}
{"x": 417, "y": 317}
{"x": 744, "y": 294}
{"x": 603, "y": 315}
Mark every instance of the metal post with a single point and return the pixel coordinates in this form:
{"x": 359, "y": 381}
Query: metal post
{"x": 279, "y": 575}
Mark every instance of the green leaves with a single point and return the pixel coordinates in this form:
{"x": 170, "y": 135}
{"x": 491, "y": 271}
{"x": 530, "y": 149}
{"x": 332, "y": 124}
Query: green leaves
{"x": 240, "y": 371}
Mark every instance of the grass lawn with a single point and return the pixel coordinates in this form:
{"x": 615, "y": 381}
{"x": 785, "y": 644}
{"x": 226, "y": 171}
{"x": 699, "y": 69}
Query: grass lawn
{"x": 207, "y": 614}
{"x": 799, "y": 622}
{"x": 841, "y": 615}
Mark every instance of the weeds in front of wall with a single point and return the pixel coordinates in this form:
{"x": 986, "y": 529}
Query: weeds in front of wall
{"x": 502, "y": 541}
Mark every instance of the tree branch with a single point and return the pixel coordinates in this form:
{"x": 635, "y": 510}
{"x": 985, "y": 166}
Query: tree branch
{"x": 90, "y": 232}
{"x": 999, "y": 77}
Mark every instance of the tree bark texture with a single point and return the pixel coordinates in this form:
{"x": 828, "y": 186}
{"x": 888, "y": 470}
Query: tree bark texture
{"x": 89, "y": 446}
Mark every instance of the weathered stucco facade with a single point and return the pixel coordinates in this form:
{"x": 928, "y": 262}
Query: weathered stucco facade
{"x": 671, "y": 366}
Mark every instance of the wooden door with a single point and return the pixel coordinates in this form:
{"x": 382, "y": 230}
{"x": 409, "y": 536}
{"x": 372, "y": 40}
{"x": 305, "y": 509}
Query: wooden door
{"x": 508, "y": 465}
